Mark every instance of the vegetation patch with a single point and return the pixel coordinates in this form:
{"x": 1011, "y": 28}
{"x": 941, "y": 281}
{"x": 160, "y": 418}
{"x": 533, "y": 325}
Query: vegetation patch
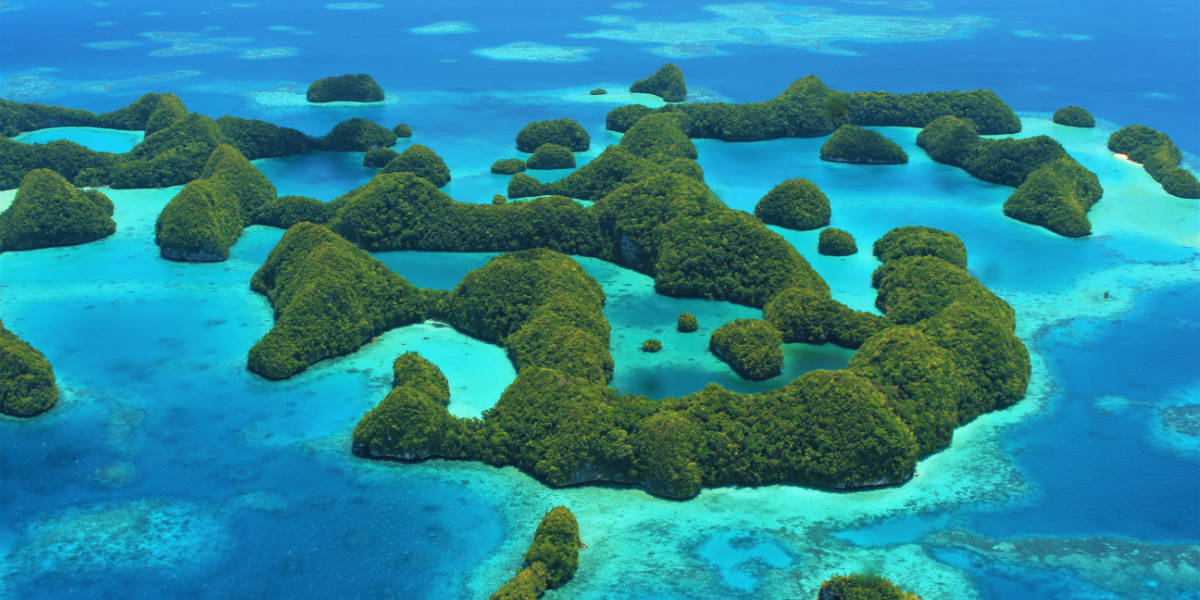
{"x": 27, "y": 384}
{"x": 345, "y": 88}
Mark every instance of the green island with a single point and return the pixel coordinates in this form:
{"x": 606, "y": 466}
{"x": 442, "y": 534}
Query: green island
{"x": 508, "y": 166}
{"x": 377, "y": 158}
{"x": 422, "y": 162}
{"x": 1053, "y": 191}
{"x": 345, "y": 88}
{"x": 687, "y": 323}
{"x": 402, "y": 130}
{"x": 795, "y": 204}
{"x": 27, "y": 384}
{"x": 48, "y": 211}
{"x": 862, "y": 587}
{"x": 551, "y": 560}
{"x": 666, "y": 83}
{"x": 853, "y": 144}
{"x": 1074, "y": 116}
{"x": 551, "y": 156}
{"x": 836, "y": 242}
{"x": 1159, "y": 156}
{"x": 809, "y": 108}
{"x": 357, "y": 135}
{"x": 753, "y": 347}
{"x": 567, "y": 133}
{"x": 652, "y": 345}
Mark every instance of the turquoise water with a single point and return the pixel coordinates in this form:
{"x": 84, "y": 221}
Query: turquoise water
{"x": 104, "y": 140}
{"x": 168, "y": 470}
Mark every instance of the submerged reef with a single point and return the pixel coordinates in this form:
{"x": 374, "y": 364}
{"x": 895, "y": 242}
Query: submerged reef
{"x": 862, "y": 587}
{"x": 551, "y": 560}
{"x": 345, "y": 88}
{"x": 48, "y": 211}
{"x": 567, "y": 133}
{"x": 1053, "y": 191}
{"x": 666, "y": 83}
{"x": 836, "y": 242}
{"x": 1159, "y": 156}
{"x": 795, "y": 204}
{"x": 422, "y": 162}
{"x": 1074, "y": 116}
{"x": 752, "y": 347}
{"x": 551, "y": 156}
{"x": 852, "y": 144}
{"x": 809, "y": 108}
{"x": 27, "y": 384}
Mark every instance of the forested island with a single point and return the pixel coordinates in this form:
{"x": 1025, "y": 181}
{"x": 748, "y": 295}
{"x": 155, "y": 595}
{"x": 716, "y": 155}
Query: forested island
{"x": 27, "y": 384}
{"x": 345, "y": 88}
{"x": 551, "y": 560}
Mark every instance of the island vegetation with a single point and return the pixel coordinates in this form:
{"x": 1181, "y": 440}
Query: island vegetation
{"x": 377, "y": 158}
{"x": 752, "y": 347}
{"x": 567, "y": 133}
{"x": 27, "y": 384}
{"x": 357, "y": 135}
{"x": 836, "y": 242}
{"x": 1057, "y": 197}
{"x": 1159, "y": 156}
{"x": 1074, "y": 116}
{"x": 853, "y": 144}
{"x": 551, "y": 156}
{"x": 402, "y": 130}
{"x": 422, "y": 162}
{"x": 48, "y": 211}
{"x": 862, "y": 587}
{"x": 508, "y": 166}
{"x": 345, "y": 88}
{"x": 666, "y": 83}
{"x": 809, "y": 108}
{"x": 795, "y": 204}
{"x": 687, "y": 323}
{"x": 551, "y": 560}
{"x": 651, "y": 345}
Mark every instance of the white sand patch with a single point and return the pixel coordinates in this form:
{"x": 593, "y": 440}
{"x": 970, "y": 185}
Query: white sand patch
{"x": 535, "y": 52}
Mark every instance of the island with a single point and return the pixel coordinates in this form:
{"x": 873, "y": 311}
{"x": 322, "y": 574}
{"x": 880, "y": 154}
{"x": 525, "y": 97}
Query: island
{"x": 1159, "y": 156}
{"x": 27, "y": 384}
{"x": 508, "y": 166}
{"x": 666, "y": 83}
{"x": 551, "y": 156}
{"x": 402, "y": 130}
{"x": 551, "y": 560}
{"x": 795, "y": 204}
{"x": 651, "y": 345}
{"x": 752, "y": 347}
{"x": 48, "y": 211}
{"x": 377, "y": 158}
{"x": 836, "y": 242}
{"x": 862, "y": 587}
{"x": 567, "y": 133}
{"x": 422, "y": 162}
{"x": 853, "y": 144}
{"x": 1053, "y": 191}
{"x": 686, "y": 323}
{"x": 1073, "y": 116}
{"x": 357, "y": 135}
{"x": 345, "y": 88}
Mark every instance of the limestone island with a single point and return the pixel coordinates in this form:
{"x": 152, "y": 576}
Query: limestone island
{"x": 853, "y": 144}
{"x": 551, "y": 156}
{"x": 651, "y": 345}
{"x": 422, "y": 162}
{"x": 567, "y": 133}
{"x": 686, "y": 323}
{"x": 27, "y": 384}
{"x": 862, "y": 587}
{"x": 509, "y": 166}
{"x": 836, "y": 242}
{"x": 795, "y": 204}
{"x": 345, "y": 88}
{"x": 1073, "y": 116}
{"x": 751, "y": 346}
{"x": 666, "y": 83}
{"x": 551, "y": 560}
{"x": 48, "y": 211}
{"x": 1159, "y": 156}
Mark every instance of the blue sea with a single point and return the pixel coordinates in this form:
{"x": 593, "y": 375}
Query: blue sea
{"x": 169, "y": 471}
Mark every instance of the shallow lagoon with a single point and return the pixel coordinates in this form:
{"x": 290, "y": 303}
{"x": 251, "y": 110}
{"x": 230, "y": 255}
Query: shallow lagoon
{"x": 168, "y": 470}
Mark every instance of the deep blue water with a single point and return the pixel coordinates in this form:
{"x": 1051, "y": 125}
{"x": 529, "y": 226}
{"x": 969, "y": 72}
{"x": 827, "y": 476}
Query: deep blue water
{"x": 169, "y": 472}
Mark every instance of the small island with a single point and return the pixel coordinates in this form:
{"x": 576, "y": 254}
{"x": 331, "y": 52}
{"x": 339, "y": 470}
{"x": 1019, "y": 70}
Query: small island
{"x": 1159, "y": 156}
{"x": 27, "y": 384}
{"x": 852, "y": 144}
{"x": 686, "y": 323}
{"x": 48, "y": 211}
{"x": 421, "y": 161}
{"x": 357, "y": 135}
{"x": 377, "y": 158}
{"x": 651, "y": 345}
{"x": 666, "y": 83}
{"x": 345, "y": 88}
{"x": 751, "y": 346}
{"x": 508, "y": 166}
{"x": 1074, "y": 116}
{"x": 836, "y": 242}
{"x": 551, "y": 156}
{"x": 795, "y": 204}
{"x": 567, "y": 133}
{"x": 551, "y": 560}
{"x": 862, "y": 587}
